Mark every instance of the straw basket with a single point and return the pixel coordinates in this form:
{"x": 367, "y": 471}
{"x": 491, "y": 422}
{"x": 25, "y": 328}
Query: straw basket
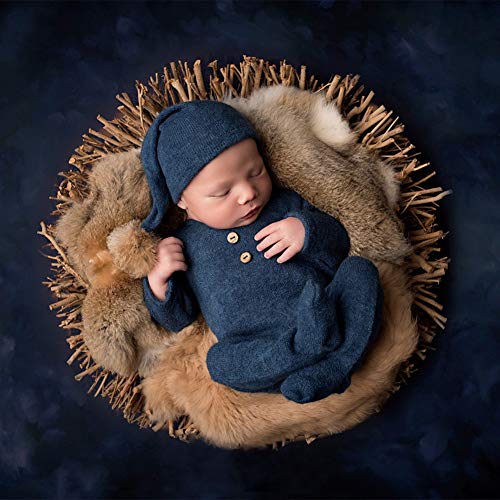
{"x": 378, "y": 130}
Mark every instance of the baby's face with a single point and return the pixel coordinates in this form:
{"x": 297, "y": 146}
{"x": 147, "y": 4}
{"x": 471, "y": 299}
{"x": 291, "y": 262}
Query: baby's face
{"x": 228, "y": 187}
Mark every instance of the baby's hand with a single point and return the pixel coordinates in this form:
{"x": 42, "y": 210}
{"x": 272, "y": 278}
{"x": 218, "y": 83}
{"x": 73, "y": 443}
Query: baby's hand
{"x": 286, "y": 234}
{"x": 169, "y": 258}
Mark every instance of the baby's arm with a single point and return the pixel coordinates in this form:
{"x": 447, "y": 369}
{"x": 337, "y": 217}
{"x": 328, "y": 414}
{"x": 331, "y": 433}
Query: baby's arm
{"x": 326, "y": 240}
{"x": 179, "y": 308}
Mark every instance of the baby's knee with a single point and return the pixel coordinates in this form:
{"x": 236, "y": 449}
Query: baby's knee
{"x": 359, "y": 263}
{"x": 360, "y": 267}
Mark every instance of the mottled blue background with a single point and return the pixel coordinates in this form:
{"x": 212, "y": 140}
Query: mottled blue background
{"x": 436, "y": 64}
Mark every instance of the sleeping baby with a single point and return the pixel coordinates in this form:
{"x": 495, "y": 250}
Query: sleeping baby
{"x": 270, "y": 273}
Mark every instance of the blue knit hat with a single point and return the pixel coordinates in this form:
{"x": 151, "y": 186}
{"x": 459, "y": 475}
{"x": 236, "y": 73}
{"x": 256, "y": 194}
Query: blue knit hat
{"x": 180, "y": 142}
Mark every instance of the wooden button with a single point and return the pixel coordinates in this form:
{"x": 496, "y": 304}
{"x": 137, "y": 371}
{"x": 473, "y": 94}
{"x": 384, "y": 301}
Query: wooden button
{"x": 232, "y": 237}
{"x": 246, "y": 257}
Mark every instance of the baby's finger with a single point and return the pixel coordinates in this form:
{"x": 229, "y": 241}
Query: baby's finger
{"x": 169, "y": 251}
{"x": 286, "y": 255}
{"x": 171, "y": 241}
{"x": 177, "y": 255}
{"x": 180, "y": 265}
{"x": 277, "y": 248}
{"x": 267, "y": 241}
{"x": 265, "y": 231}
{"x": 177, "y": 240}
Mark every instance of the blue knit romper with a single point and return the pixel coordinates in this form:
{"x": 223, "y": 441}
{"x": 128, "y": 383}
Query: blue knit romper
{"x": 300, "y": 327}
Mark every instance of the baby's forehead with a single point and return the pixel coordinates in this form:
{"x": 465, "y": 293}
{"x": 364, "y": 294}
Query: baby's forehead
{"x": 223, "y": 171}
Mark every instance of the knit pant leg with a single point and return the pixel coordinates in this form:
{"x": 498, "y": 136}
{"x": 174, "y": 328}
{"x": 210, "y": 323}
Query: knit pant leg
{"x": 260, "y": 362}
{"x": 318, "y": 331}
{"x": 357, "y": 292}
{"x": 256, "y": 363}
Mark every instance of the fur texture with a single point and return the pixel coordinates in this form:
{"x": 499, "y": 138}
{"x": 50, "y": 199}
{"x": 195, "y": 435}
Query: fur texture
{"x": 310, "y": 149}
{"x": 116, "y": 325}
{"x": 226, "y": 418}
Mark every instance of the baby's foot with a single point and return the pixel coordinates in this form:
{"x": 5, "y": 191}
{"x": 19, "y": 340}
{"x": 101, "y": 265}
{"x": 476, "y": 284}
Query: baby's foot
{"x": 316, "y": 381}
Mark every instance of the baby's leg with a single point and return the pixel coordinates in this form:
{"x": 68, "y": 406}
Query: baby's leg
{"x": 356, "y": 287}
{"x": 256, "y": 362}
{"x": 317, "y": 320}
{"x": 260, "y": 362}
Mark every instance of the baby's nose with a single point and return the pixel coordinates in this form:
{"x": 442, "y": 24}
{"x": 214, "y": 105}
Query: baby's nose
{"x": 249, "y": 195}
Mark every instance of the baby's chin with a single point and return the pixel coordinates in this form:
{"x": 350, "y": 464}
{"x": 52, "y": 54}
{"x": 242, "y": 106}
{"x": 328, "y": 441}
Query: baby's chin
{"x": 237, "y": 222}
{"x": 245, "y": 222}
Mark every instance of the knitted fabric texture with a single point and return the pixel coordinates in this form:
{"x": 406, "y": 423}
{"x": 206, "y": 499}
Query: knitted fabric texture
{"x": 180, "y": 142}
{"x": 300, "y": 327}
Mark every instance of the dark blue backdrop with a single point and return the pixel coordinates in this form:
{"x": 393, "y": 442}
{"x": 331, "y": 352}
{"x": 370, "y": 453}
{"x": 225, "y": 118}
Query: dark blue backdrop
{"x": 436, "y": 64}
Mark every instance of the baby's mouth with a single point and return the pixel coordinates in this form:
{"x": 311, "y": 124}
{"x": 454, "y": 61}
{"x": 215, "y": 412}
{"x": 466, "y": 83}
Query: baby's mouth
{"x": 252, "y": 213}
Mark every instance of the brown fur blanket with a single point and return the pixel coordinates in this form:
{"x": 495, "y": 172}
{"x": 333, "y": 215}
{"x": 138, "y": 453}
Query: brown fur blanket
{"x": 308, "y": 148}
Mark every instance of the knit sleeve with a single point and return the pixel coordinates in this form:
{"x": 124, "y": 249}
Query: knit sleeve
{"x": 326, "y": 242}
{"x": 179, "y": 308}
